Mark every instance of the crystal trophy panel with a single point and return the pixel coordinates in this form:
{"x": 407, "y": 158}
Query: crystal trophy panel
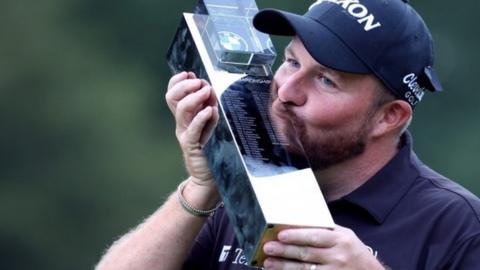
{"x": 264, "y": 187}
{"x": 232, "y": 43}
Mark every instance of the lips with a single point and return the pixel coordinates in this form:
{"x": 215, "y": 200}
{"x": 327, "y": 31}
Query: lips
{"x": 287, "y": 124}
{"x": 281, "y": 111}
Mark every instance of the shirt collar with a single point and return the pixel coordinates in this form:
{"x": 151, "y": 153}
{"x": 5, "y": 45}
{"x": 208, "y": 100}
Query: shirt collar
{"x": 379, "y": 195}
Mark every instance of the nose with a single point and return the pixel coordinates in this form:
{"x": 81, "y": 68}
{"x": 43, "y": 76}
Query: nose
{"x": 291, "y": 89}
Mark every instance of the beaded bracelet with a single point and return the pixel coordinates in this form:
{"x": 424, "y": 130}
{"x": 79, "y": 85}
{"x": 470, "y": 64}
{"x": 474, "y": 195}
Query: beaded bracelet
{"x": 189, "y": 208}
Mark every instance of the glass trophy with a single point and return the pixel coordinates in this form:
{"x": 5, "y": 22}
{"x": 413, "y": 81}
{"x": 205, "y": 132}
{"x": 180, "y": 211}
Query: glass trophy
{"x": 264, "y": 185}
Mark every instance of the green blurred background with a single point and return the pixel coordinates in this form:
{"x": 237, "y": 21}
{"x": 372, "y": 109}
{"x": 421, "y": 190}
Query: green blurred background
{"x": 87, "y": 142}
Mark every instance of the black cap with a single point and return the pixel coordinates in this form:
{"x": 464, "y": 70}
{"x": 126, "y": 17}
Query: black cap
{"x": 386, "y": 38}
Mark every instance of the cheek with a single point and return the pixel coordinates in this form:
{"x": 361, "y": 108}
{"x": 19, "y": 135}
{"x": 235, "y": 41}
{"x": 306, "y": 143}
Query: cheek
{"x": 332, "y": 114}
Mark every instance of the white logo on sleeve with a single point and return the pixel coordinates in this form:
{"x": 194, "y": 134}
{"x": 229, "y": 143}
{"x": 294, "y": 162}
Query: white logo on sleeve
{"x": 357, "y": 10}
{"x": 224, "y": 253}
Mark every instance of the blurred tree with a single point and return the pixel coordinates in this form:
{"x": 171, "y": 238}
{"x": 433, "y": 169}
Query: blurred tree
{"x": 86, "y": 142}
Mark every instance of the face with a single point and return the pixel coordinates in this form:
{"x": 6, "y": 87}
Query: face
{"x": 332, "y": 111}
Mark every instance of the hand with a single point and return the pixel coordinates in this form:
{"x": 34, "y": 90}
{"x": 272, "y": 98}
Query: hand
{"x": 319, "y": 249}
{"x": 194, "y": 105}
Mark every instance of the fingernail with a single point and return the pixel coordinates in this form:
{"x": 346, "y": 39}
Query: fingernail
{"x": 267, "y": 264}
{"x": 269, "y": 248}
{"x": 283, "y": 236}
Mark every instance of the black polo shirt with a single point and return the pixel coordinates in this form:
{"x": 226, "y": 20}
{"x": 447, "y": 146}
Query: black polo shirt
{"x": 409, "y": 216}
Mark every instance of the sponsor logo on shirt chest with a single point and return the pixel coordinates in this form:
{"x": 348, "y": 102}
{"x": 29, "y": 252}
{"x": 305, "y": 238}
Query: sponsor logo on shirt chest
{"x": 238, "y": 256}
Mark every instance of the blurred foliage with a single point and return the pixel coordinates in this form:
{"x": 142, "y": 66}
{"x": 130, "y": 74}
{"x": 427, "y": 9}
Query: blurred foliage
{"x": 87, "y": 143}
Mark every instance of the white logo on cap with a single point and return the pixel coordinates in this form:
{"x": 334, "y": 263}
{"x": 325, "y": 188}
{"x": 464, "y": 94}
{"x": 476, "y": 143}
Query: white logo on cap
{"x": 415, "y": 89}
{"x": 355, "y": 9}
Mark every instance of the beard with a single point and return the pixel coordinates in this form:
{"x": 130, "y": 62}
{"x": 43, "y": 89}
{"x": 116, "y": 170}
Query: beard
{"x": 325, "y": 148}
{"x": 333, "y": 147}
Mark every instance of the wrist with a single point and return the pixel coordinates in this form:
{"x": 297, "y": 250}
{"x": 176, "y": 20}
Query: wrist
{"x": 200, "y": 194}
{"x": 208, "y": 182}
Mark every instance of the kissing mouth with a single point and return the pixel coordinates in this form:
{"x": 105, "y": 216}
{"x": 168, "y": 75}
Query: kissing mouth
{"x": 280, "y": 114}
{"x": 286, "y": 123}
{"x": 283, "y": 113}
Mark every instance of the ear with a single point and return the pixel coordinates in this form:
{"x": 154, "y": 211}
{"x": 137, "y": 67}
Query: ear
{"x": 391, "y": 118}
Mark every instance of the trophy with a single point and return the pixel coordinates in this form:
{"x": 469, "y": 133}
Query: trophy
{"x": 264, "y": 186}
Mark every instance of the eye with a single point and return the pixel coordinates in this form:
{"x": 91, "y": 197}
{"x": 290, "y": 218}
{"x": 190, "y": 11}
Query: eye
{"x": 327, "y": 81}
{"x": 292, "y": 62}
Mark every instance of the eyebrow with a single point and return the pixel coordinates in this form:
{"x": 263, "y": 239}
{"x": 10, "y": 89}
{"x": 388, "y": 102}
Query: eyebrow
{"x": 336, "y": 75}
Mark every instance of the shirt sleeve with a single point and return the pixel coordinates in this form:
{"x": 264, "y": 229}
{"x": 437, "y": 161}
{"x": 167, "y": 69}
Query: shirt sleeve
{"x": 467, "y": 256}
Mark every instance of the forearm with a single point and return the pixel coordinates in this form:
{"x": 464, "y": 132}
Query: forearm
{"x": 164, "y": 239}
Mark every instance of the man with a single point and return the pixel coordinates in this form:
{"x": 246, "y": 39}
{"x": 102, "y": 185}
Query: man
{"x": 352, "y": 75}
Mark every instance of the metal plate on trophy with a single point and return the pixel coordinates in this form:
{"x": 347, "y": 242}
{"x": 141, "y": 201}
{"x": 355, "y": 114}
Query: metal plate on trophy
{"x": 265, "y": 186}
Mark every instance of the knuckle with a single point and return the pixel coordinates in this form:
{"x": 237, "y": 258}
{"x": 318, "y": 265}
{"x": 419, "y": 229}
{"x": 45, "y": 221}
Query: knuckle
{"x": 315, "y": 239}
{"x": 342, "y": 260}
{"x": 181, "y": 105}
{"x": 347, "y": 242}
{"x": 304, "y": 254}
{"x": 172, "y": 80}
{"x": 347, "y": 237}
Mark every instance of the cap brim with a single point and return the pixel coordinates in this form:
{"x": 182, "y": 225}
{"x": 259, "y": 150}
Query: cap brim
{"x": 322, "y": 44}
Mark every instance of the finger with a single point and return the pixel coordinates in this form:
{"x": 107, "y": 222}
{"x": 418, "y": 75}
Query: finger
{"x": 213, "y": 98}
{"x": 299, "y": 253}
{"x": 212, "y": 101}
{"x": 191, "y": 75}
{"x": 180, "y": 90}
{"x": 277, "y": 263}
{"x": 210, "y": 126}
{"x": 197, "y": 126}
{"x": 190, "y": 105}
{"x": 180, "y": 77}
{"x": 315, "y": 237}
{"x": 176, "y": 78}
